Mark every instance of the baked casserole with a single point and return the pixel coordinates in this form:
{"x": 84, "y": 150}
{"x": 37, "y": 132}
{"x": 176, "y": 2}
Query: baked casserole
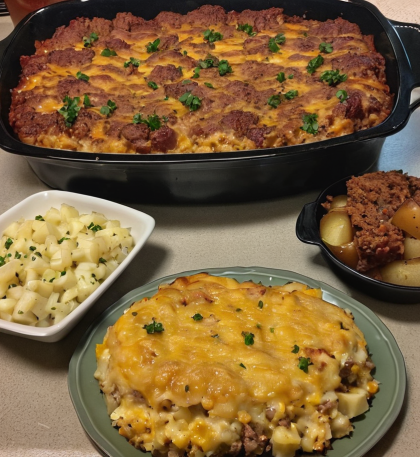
{"x": 211, "y": 366}
{"x": 206, "y": 81}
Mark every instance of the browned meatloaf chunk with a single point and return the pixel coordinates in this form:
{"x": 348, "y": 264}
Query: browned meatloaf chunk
{"x": 372, "y": 200}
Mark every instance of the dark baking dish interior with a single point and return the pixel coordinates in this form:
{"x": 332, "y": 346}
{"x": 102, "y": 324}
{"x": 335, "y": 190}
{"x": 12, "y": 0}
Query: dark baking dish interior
{"x": 307, "y": 230}
{"x": 209, "y": 177}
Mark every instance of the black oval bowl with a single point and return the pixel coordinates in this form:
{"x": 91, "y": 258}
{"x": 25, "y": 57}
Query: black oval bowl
{"x": 307, "y": 230}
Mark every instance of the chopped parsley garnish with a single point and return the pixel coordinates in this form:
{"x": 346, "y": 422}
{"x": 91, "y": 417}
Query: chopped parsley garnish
{"x": 153, "y": 47}
{"x": 314, "y": 64}
{"x": 271, "y": 329}
{"x": 91, "y": 226}
{"x": 215, "y": 336}
{"x": 224, "y": 67}
{"x": 153, "y": 121}
{"x": 295, "y": 349}
{"x": 51, "y": 280}
{"x": 108, "y": 109}
{"x": 102, "y": 260}
{"x": 248, "y": 338}
{"x": 208, "y": 62}
{"x": 209, "y": 85}
{"x": 274, "y": 101}
{"x": 17, "y": 255}
{"x": 154, "y": 327}
{"x": 134, "y": 62}
{"x": 258, "y": 325}
{"x": 304, "y": 363}
{"x": 82, "y": 76}
{"x": 63, "y": 273}
{"x": 274, "y": 42}
{"x": 186, "y": 81}
{"x": 191, "y": 101}
{"x": 196, "y": 72}
{"x": 310, "y": 123}
{"x": 260, "y": 304}
{"x": 211, "y": 36}
{"x": 20, "y": 312}
{"x": 238, "y": 310}
{"x": 291, "y": 94}
{"x": 242, "y": 365}
{"x": 108, "y": 53}
{"x": 272, "y": 45}
{"x": 180, "y": 70}
{"x": 11, "y": 286}
{"x": 332, "y": 77}
{"x": 70, "y": 110}
{"x": 32, "y": 248}
{"x": 246, "y": 28}
{"x": 33, "y": 258}
{"x": 38, "y": 254}
{"x": 281, "y": 77}
{"x": 290, "y": 76}
{"x": 197, "y": 317}
{"x": 8, "y": 243}
{"x": 134, "y": 313}
{"x": 39, "y": 218}
{"x": 86, "y": 101}
{"x": 2, "y": 261}
{"x": 185, "y": 53}
{"x": 87, "y": 41}
{"x": 326, "y": 47}
{"x": 342, "y": 95}
{"x": 187, "y": 388}
{"x": 280, "y": 38}
{"x": 153, "y": 85}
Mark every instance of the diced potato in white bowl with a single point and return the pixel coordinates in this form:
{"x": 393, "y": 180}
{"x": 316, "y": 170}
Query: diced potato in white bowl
{"x": 59, "y": 251}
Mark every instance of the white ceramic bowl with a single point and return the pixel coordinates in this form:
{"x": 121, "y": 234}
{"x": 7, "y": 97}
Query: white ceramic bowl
{"x": 141, "y": 225}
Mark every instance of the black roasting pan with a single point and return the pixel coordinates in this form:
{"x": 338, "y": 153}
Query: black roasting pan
{"x": 205, "y": 177}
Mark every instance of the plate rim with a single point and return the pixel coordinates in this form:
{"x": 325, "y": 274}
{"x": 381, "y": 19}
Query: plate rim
{"x": 329, "y": 294}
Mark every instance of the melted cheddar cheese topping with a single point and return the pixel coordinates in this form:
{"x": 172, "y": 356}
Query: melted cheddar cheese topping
{"x": 247, "y": 107}
{"x": 209, "y": 365}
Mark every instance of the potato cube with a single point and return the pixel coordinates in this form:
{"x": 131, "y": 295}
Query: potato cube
{"x": 335, "y": 228}
{"x": 68, "y": 212}
{"x": 65, "y": 280}
{"x": 12, "y": 230}
{"x": 61, "y": 260}
{"x": 7, "y": 305}
{"x": 352, "y": 403}
{"x": 42, "y": 229}
{"x": 25, "y": 230}
{"x": 402, "y": 272}
{"x": 93, "y": 218}
{"x": 53, "y": 216}
{"x": 407, "y": 218}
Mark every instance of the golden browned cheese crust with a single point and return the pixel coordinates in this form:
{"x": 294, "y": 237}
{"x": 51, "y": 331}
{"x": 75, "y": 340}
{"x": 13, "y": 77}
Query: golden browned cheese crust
{"x": 211, "y": 366}
{"x": 207, "y": 81}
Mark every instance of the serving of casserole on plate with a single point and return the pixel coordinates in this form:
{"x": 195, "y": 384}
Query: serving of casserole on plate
{"x": 147, "y": 425}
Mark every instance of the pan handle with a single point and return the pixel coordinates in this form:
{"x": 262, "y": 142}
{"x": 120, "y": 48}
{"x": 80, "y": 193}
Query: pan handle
{"x": 410, "y": 37}
{"x": 306, "y": 225}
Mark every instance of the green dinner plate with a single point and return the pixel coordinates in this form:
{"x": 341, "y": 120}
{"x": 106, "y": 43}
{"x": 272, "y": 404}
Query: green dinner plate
{"x": 369, "y": 428}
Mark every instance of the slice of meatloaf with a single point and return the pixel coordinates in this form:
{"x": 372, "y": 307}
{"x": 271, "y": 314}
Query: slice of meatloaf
{"x": 372, "y": 200}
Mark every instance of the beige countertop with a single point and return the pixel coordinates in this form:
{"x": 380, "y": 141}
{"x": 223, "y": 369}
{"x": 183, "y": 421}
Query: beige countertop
{"x": 38, "y": 418}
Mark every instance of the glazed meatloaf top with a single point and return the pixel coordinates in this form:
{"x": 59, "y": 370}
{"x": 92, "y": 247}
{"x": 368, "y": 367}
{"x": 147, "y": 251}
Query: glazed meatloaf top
{"x": 207, "y": 81}
{"x": 372, "y": 200}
